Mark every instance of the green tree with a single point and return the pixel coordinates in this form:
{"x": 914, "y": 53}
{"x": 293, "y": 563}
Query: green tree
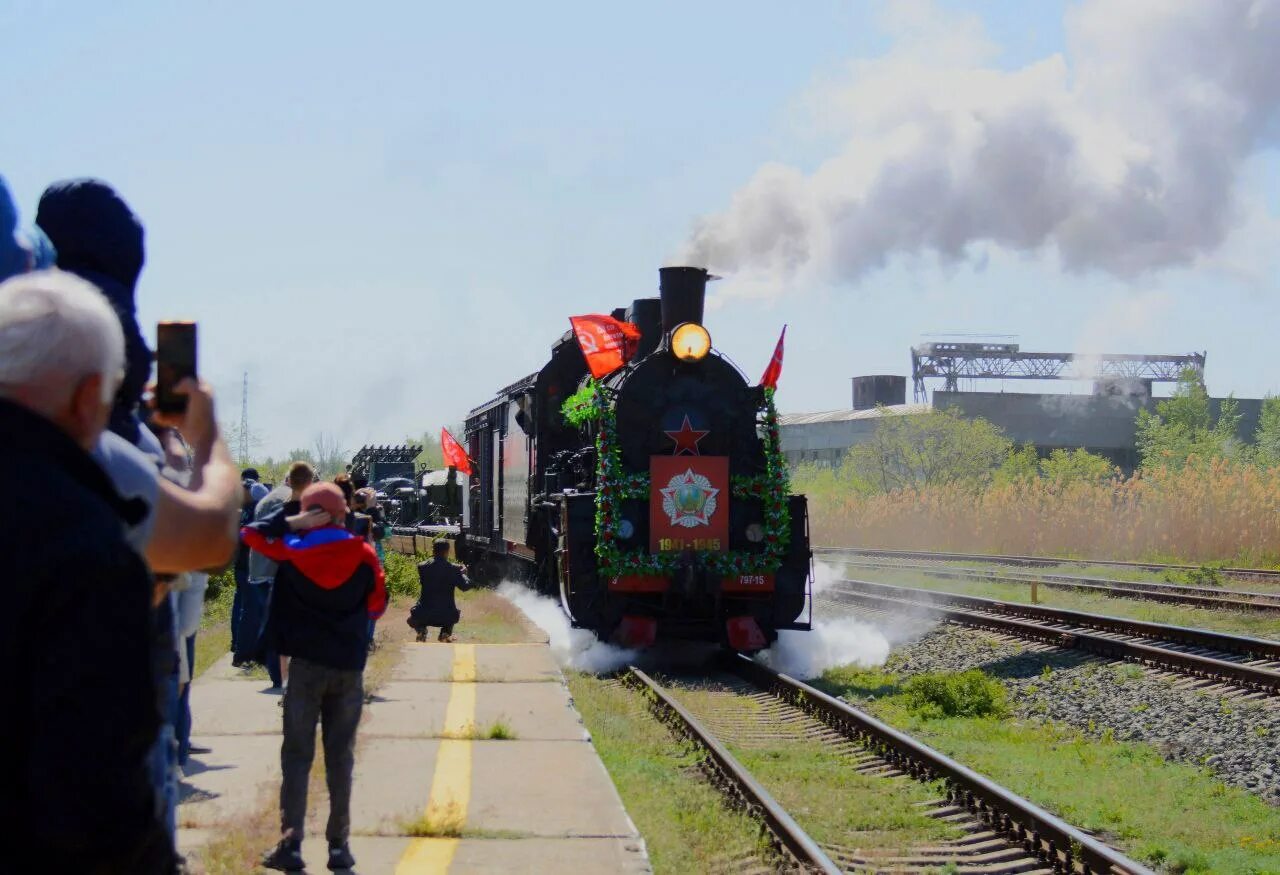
{"x": 328, "y": 457}
{"x": 1267, "y": 451}
{"x": 829, "y": 483}
{"x": 1077, "y": 466}
{"x": 1022, "y": 465}
{"x": 430, "y": 457}
{"x": 928, "y": 449}
{"x": 1184, "y": 426}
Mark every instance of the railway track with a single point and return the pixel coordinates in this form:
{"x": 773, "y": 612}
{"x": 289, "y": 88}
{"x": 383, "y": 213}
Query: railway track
{"x": 1170, "y": 593}
{"x": 1271, "y": 575}
{"x": 1000, "y": 832}
{"x": 1250, "y": 663}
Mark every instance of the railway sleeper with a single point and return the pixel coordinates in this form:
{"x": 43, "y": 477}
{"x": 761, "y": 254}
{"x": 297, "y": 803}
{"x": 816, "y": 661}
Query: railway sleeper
{"x": 1040, "y": 834}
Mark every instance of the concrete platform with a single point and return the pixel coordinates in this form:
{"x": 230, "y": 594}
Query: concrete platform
{"x": 498, "y": 663}
{"x": 406, "y": 709}
{"x": 239, "y": 773}
{"x": 410, "y": 856}
{"x": 540, "y": 802}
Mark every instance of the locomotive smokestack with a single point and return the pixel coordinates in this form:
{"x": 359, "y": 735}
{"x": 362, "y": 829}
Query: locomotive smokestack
{"x": 683, "y": 291}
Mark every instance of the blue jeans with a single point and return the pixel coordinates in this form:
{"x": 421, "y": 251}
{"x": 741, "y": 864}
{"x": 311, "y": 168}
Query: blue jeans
{"x": 257, "y": 602}
{"x": 237, "y": 610}
{"x": 163, "y": 761}
{"x": 182, "y": 717}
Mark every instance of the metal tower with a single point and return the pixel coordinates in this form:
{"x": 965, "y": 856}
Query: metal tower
{"x": 1006, "y": 361}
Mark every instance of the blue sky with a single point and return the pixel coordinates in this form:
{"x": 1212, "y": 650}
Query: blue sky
{"x": 385, "y": 213}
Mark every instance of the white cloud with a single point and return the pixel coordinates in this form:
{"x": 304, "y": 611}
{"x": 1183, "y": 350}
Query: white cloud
{"x": 1122, "y": 155}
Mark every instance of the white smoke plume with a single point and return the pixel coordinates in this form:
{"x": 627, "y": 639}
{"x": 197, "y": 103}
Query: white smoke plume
{"x": 572, "y": 648}
{"x": 834, "y": 641}
{"x": 1121, "y": 155}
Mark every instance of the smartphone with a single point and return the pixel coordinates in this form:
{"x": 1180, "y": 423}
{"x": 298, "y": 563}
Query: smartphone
{"x": 175, "y": 361}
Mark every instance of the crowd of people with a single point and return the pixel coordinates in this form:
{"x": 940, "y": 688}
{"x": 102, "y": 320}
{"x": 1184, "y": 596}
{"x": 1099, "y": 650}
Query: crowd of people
{"x": 126, "y": 510}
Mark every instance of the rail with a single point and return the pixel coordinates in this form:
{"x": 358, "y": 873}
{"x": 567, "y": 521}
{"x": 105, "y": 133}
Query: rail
{"x": 1047, "y": 836}
{"x": 995, "y": 615}
{"x": 1043, "y": 561}
{"x": 1170, "y": 593}
{"x": 788, "y": 837}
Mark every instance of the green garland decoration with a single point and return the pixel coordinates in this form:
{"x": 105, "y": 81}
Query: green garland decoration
{"x": 580, "y": 407}
{"x": 614, "y": 485}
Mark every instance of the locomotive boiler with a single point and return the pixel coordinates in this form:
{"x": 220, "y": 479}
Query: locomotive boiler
{"x": 653, "y": 501}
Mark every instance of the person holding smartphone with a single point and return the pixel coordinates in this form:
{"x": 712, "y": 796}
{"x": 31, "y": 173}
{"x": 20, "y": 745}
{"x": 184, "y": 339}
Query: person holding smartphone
{"x": 79, "y": 617}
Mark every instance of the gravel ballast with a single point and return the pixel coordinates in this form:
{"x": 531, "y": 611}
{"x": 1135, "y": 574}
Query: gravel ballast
{"x": 1238, "y": 740}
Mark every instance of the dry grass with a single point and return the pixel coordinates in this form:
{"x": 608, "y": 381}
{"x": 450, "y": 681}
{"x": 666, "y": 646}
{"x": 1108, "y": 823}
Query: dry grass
{"x": 1215, "y": 512}
{"x": 448, "y": 823}
{"x": 238, "y": 843}
{"x": 391, "y": 632}
{"x": 499, "y": 730}
{"x": 212, "y": 642}
{"x": 488, "y": 618}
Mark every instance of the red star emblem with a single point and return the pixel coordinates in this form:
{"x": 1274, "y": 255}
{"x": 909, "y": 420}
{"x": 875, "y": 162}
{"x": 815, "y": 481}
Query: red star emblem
{"x": 686, "y": 438}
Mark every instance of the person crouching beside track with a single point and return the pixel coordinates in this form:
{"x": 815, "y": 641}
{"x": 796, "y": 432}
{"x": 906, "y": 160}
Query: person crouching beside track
{"x": 436, "y": 605}
{"x": 327, "y": 586}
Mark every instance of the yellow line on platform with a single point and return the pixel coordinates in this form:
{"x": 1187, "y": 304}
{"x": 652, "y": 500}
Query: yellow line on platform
{"x": 464, "y": 663}
{"x": 451, "y": 784}
{"x": 425, "y": 856}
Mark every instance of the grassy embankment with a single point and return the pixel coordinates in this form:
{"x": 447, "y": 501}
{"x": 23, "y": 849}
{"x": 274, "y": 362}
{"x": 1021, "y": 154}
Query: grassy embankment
{"x": 684, "y": 821}
{"x": 1174, "y": 817}
{"x": 805, "y": 775}
{"x": 1254, "y": 623}
{"x": 1213, "y": 512}
{"x": 687, "y": 826}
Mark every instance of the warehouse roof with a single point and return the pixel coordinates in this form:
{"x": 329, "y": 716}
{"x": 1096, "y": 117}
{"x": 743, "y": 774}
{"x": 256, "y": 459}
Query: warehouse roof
{"x": 845, "y": 415}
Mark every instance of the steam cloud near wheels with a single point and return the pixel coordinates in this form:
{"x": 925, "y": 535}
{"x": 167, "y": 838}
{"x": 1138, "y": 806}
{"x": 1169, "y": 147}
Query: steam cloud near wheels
{"x": 1122, "y": 155}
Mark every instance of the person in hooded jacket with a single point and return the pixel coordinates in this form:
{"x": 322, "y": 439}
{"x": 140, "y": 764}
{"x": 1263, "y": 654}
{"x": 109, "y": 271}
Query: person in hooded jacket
{"x": 329, "y": 583}
{"x": 99, "y": 238}
{"x": 21, "y": 251}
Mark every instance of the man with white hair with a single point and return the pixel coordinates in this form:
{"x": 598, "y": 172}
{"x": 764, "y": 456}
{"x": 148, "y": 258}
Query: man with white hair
{"x": 77, "y": 618}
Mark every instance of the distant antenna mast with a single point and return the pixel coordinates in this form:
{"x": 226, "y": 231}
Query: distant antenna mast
{"x": 243, "y": 449}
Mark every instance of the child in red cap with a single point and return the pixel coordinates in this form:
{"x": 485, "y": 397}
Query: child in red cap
{"x": 328, "y": 586}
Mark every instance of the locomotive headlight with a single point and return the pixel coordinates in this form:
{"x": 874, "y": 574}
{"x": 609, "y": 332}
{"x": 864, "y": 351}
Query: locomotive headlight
{"x": 690, "y": 342}
{"x": 755, "y": 533}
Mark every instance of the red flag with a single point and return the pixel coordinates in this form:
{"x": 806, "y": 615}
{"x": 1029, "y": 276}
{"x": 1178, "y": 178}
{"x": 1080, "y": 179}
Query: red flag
{"x": 606, "y": 342}
{"x": 774, "y": 371}
{"x": 454, "y": 455}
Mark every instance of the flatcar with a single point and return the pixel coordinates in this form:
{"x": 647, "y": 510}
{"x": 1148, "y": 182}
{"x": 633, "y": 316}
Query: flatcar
{"x": 652, "y": 502}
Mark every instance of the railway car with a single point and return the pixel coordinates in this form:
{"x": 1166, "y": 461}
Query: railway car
{"x": 652, "y": 502}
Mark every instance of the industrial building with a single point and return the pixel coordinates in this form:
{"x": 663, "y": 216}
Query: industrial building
{"x": 1103, "y": 422}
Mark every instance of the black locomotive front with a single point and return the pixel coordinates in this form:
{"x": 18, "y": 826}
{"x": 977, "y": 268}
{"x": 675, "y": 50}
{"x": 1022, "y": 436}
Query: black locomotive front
{"x": 654, "y": 505}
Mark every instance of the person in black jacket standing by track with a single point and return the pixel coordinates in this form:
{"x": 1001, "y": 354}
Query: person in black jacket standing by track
{"x": 436, "y": 605}
{"x": 328, "y": 585}
{"x": 78, "y": 614}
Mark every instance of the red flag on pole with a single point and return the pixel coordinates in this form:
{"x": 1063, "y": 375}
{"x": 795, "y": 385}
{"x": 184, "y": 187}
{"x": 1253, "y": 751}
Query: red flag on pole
{"x": 454, "y": 455}
{"x": 606, "y": 342}
{"x": 774, "y": 371}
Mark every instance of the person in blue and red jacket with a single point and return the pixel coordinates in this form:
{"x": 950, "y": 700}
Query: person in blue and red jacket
{"x": 329, "y": 584}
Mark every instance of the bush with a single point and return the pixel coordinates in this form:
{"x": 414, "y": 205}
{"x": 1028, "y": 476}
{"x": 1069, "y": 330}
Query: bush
{"x": 219, "y": 583}
{"x": 956, "y": 694}
{"x": 402, "y": 574}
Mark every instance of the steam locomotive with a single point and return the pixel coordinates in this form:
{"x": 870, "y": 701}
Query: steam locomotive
{"x": 652, "y": 502}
